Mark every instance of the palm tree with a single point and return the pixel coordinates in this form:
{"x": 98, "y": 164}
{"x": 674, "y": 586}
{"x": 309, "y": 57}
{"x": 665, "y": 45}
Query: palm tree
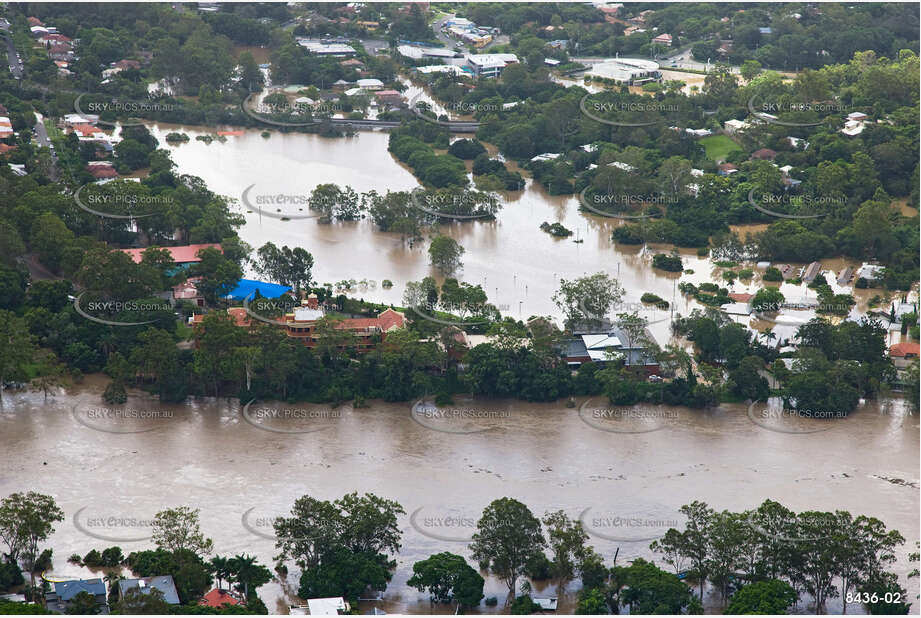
{"x": 112, "y": 580}
{"x": 245, "y": 568}
{"x": 222, "y": 570}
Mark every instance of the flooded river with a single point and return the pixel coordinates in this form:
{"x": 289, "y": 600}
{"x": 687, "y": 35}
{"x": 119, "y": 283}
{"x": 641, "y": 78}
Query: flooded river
{"x": 518, "y": 265}
{"x": 625, "y": 479}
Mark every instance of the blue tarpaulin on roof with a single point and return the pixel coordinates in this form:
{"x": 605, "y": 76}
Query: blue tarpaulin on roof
{"x": 249, "y": 288}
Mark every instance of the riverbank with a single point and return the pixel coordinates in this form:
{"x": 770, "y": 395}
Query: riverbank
{"x": 205, "y": 453}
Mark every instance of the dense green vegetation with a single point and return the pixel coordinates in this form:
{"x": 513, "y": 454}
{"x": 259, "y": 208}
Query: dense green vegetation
{"x": 767, "y": 557}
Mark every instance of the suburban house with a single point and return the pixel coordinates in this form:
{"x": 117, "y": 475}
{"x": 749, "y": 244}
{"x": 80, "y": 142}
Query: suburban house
{"x": 188, "y": 291}
{"x": 239, "y": 315}
{"x": 489, "y": 65}
{"x": 812, "y": 271}
{"x": 903, "y": 354}
{"x": 330, "y": 606}
{"x": 388, "y": 97}
{"x": 64, "y": 593}
{"x": 370, "y": 84}
{"x": 301, "y": 325}
{"x": 734, "y": 126}
{"x": 163, "y": 583}
{"x": 663, "y": 39}
{"x": 741, "y": 304}
{"x": 219, "y": 598}
{"x": 609, "y": 342}
{"x": 725, "y": 169}
{"x": 101, "y": 170}
{"x": 184, "y": 255}
{"x": 855, "y": 124}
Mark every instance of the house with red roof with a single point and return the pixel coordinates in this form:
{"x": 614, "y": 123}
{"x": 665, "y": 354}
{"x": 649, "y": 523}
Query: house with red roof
{"x": 239, "y": 315}
{"x": 367, "y": 332}
{"x": 184, "y": 255}
{"x": 903, "y": 354}
{"x": 218, "y": 598}
{"x": 102, "y": 172}
{"x": 87, "y": 132}
{"x": 389, "y": 97}
{"x": 6, "y": 127}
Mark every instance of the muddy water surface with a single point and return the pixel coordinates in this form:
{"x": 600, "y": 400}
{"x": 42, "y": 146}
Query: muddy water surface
{"x": 624, "y": 472}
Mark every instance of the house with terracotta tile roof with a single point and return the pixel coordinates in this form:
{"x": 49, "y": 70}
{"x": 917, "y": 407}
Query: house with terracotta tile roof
{"x": 368, "y": 332}
{"x": 903, "y": 354}
{"x": 219, "y": 598}
{"x": 183, "y": 255}
{"x": 389, "y": 97}
{"x": 102, "y": 172}
{"x": 741, "y": 297}
{"x": 239, "y": 315}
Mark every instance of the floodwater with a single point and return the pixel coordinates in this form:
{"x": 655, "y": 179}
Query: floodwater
{"x": 518, "y": 265}
{"x": 625, "y": 475}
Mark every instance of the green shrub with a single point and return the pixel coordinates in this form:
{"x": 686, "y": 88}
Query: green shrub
{"x": 627, "y": 235}
{"x": 670, "y": 263}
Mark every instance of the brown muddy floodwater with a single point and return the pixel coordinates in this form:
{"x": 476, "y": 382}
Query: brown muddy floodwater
{"x": 518, "y": 265}
{"x": 623, "y": 472}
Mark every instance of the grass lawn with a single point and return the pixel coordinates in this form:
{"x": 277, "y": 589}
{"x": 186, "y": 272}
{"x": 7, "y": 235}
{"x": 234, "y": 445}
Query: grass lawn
{"x": 718, "y": 147}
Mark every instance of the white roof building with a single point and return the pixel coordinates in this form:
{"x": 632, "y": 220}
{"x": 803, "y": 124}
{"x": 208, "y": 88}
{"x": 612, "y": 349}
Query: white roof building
{"x": 326, "y": 49}
{"x": 417, "y": 53}
{"x": 490, "y": 65}
{"x": 330, "y": 606}
{"x": 870, "y": 271}
{"x": 626, "y": 70}
{"x": 853, "y": 127}
{"x": 441, "y": 68}
{"x": 370, "y": 84}
{"x": 732, "y": 126}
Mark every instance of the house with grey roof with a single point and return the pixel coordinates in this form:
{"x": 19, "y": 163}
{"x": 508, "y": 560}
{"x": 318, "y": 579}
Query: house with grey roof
{"x": 163, "y": 583}
{"x": 64, "y": 593}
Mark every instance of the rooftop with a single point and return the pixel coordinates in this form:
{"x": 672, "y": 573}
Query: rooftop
{"x": 904, "y": 350}
{"x": 181, "y": 255}
{"x": 68, "y": 590}
{"x": 247, "y": 288}
{"x": 218, "y": 598}
{"x": 163, "y": 583}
